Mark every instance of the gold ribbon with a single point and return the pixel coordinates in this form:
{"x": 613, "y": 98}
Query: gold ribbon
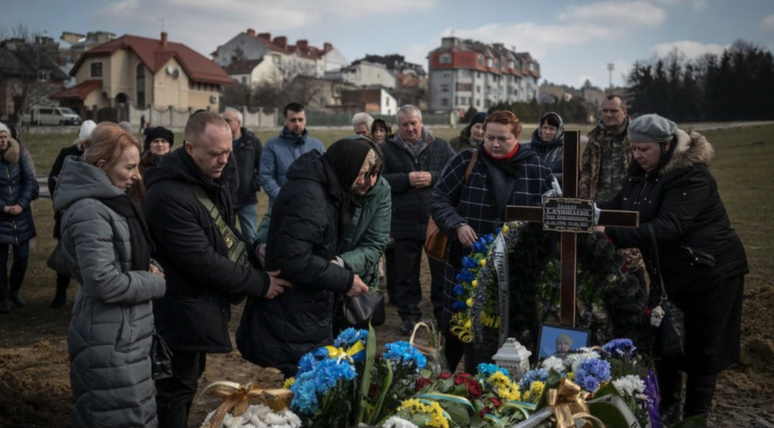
{"x": 461, "y": 328}
{"x": 238, "y": 397}
{"x": 568, "y": 402}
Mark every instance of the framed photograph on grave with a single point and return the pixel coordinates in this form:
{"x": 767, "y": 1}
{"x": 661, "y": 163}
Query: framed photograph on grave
{"x": 558, "y": 340}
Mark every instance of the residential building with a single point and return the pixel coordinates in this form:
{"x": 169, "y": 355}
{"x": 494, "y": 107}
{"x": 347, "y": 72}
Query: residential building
{"x": 144, "y": 72}
{"x": 253, "y": 72}
{"x": 410, "y": 78}
{"x": 290, "y": 60}
{"x": 76, "y": 44}
{"x": 316, "y": 93}
{"x": 29, "y": 74}
{"x": 395, "y": 63}
{"x": 364, "y": 73}
{"x": 375, "y": 100}
{"x": 468, "y": 73}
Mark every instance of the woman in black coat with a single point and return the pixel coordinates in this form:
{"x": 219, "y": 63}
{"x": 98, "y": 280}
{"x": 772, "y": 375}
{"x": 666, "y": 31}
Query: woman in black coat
{"x": 17, "y": 227}
{"x": 309, "y": 221}
{"x": 701, "y": 259}
{"x": 548, "y": 142}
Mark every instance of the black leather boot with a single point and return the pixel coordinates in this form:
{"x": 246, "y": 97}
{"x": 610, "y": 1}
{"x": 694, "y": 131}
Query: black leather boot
{"x": 670, "y": 384}
{"x": 699, "y": 391}
{"x": 17, "y": 300}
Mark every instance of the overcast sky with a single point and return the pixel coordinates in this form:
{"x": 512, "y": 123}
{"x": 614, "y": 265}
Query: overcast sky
{"x": 573, "y": 40}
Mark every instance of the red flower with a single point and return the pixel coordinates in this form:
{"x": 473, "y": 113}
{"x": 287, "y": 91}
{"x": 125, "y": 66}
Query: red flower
{"x": 474, "y": 388}
{"x": 647, "y": 311}
{"x": 484, "y": 411}
{"x": 460, "y": 378}
{"x": 372, "y": 390}
{"x": 421, "y": 383}
{"x": 444, "y": 375}
{"x": 495, "y": 402}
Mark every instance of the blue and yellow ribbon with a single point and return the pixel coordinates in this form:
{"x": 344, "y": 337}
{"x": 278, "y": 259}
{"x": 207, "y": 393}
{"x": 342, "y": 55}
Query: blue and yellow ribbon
{"x": 355, "y": 353}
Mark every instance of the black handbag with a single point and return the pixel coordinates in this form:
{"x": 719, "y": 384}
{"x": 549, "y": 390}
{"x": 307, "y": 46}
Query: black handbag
{"x": 161, "y": 358}
{"x": 670, "y": 334}
{"x": 357, "y": 311}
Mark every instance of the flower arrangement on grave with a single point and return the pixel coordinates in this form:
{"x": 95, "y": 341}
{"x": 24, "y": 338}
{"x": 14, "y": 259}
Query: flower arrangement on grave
{"x": 250, "y": 406}
{"x": 610, "y": 303}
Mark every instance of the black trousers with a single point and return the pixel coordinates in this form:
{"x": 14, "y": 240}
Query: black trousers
{"x": 21, "y": 255}
{"x": 174, "y": 395}
{"x": 436, "y": 289}
{"x": 699, "y": 390}
{"x": 408, "y": 289}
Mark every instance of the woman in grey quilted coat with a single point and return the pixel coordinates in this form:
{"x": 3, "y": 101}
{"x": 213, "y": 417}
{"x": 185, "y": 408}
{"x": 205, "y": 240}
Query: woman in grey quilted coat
{"x": 106, "y": 248}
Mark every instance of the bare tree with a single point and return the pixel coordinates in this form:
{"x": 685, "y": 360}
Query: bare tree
{"x": 28, "y": 69}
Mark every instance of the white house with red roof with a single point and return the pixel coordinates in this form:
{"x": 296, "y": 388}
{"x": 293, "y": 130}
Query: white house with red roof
{"x": 276, "y": 58}
{"x": 143, "y": 72}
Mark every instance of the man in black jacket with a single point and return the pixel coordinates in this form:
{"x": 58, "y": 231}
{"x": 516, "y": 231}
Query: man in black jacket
{"x": 247, "y": 151}
{"x": 414, "y": 159}
{"x": 203, "y": 268}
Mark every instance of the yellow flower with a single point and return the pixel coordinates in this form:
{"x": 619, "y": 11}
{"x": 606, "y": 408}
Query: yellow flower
{"x": 571, "y": 375}
{"x": 482, "y": 262}
{"x": 505, "y": 229}
{"x": 537, "y": 388}
{"x": 469, "y": 302}
{"x": 505, "y": 388}
{"x": 474, "y": 283}
{"x": 433, "y": 409}
{"x": 438, "y": 419}
{"x": 288, "y": 382}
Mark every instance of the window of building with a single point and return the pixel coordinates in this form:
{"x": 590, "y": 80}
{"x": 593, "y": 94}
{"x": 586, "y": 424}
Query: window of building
{"x": 478, "y": 89}
{"x": 465, "y": 87}
{"x": 244, "y": 80}
{"x": 444, "y": 101}
{"x": 445, "y": 59}
{"x": 446, "y": 75}
{"x": 510, "y": 64}
{"x": 487, "y": 103}
{"x": 463, "y": 73}
{"x": 489, "y": 62}
{"x": 478, "y": 103}
{"x": 531, "y": 67}
{"x": 140, "y": 84}
{"x": 445, "y": 87}
{"x": 96, "y": 69}
{"x": 478, "y": 74}
{"x": 480, "y": 59}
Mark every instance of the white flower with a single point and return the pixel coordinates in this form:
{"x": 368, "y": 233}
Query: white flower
{"x": 630, "y": 385}
{"x": 260, "y": 416}
{"x": 574, "y": 360}
{"x": 553, "y": 363}
{"x": 396, "y": 422}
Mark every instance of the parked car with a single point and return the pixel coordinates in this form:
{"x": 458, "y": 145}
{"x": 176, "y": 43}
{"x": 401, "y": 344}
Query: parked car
{"x": 53, "y": 116}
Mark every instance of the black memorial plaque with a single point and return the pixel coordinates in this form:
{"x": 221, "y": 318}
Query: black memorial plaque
{"x": 568, "y": 215}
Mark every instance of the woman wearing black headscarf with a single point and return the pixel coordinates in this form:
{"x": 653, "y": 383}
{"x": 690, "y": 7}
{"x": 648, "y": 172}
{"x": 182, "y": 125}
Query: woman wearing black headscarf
{"x": 309, "y": 221}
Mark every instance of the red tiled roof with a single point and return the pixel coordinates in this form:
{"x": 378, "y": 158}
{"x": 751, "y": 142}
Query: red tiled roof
{"x": 150, "y": 51}
{"x": 79, "y": 91}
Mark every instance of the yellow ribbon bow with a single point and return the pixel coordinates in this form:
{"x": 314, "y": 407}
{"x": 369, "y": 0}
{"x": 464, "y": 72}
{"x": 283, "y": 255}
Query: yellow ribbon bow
{"x": 238, "y": 397}
{"x": 568, "y": 402}
{"x": 354, "y": 353}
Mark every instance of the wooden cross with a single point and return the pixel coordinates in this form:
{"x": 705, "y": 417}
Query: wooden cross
{"x": 569, "y": 247}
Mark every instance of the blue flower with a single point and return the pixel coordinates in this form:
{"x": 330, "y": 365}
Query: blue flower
{"x": 480, "y": 246}
{"x": 304, "y": 394}
{"x": 402, "y": 352}
{"x": 458, "y": 306}
{"x": 469, "y": 262}
{"x": 489, "y": 239}
{"x": 349, "y": 336}
{"x": 310, "y": 360}
{"x": 458, "y": 290}
{"x": 620, "y": 347}
{"x": 591, "y": 373}
{"x": 330, "y": 371}
{"x": 465, "y": 276}
{"x": 486, "y": 370}
{"x": 532, "y": 376}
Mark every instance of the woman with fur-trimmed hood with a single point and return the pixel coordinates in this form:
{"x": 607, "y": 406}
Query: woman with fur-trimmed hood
{"x": 17, "y": 227}
{"x": 700, "y": 257}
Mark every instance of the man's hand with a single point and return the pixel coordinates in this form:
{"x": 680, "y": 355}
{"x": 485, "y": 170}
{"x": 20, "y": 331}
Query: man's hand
{"x": 13, "y": 209}
{"x": 358, "y": 287}
{"x": 466, "y": 235}
{"x": 420, "y": 179}
{"x": 261, "y": 253}
{"x": 276, "y": 285}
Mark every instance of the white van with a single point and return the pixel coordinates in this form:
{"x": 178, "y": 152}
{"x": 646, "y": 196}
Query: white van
{"x": 53, "y": 116}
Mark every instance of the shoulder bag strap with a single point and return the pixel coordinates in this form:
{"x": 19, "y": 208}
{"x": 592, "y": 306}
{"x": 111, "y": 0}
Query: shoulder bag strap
{"x": 658, "y": 262}
{"x": 237, "y": 250}
{"x": 472, "y": 164}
